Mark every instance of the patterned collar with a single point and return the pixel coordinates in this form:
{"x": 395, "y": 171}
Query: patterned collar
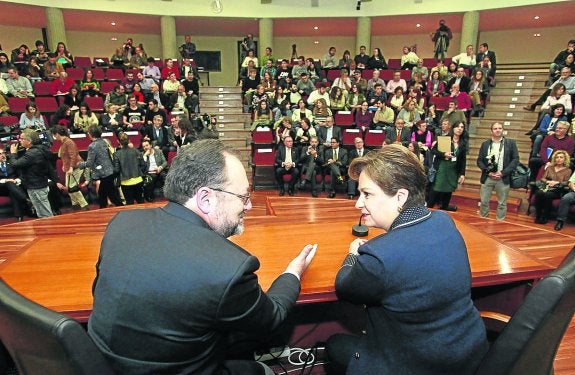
{"x": 410, "y": 216}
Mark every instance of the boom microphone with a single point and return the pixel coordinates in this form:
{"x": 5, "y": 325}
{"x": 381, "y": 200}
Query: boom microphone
{"x": 360, "y": 230}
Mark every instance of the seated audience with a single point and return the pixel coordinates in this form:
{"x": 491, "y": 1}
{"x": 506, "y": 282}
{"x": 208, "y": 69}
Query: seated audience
{"x": 460, "y": 79}
{"x": 478, "y": 90}
{"x": 84, "y": 119}
{"x": 133, "y": 115}
{"x": 355, "y": 98}
{"x": 420, "y": 69}
{"x": 466, "y": 59}
{"x": 551, "y": 185}
{"x": 377, "y": 61}
{"x": 284, "y": 128}
{"x": 409, "y": 113}
{"x": 63, "y": 56}
{"x": 111, "y": 120}
{"x": 62, "y": 117}
{"x": 337, "y": 99}
{"x": 409, "y": 58}
{"x": 32, "y": 118}
{"x": 399, "y": 133}
{"x": 383, "y": 117}
{"x": 156, "y": 166}
{"x": 362, "y": 59}
{"x": 336, "y": 162}
{"x": 304, "y": 133}
{"x": 19, "y": 87}
{"x": 263, "y": 116}
{"x": 321, "y": 111}
{"x": 435, "y": 86}
{"x": 152, "y": 71}
{"x": 311, "y": 160}
{"x": 462, "y": 98}
{"x": 422, "y": 136}
{"x": 319, "y": 93}
{"x": 397, "y": 99}
{"x": 364, "y": 117}
{"x": 89, "y": 86}
{"x": 397, "y": 81}
{"x": 453, "y": 114}
{"x": 131, "y": 164}
{"x": 329, "y": 60}
{"x": 169, "y": 68}
{"x": 547, "y": 127}
{"x": 286, "y": 161}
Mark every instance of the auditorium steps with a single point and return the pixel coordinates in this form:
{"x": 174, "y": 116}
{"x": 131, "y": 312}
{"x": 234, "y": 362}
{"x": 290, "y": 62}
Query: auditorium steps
{"x": 225, "y": 103}
{"x": 517, "y": 86}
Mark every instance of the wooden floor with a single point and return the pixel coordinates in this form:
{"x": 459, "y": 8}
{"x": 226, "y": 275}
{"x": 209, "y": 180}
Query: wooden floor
{"x": 518, "y": 232}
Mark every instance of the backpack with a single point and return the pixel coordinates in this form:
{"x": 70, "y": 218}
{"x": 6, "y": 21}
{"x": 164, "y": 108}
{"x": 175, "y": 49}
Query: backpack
{"x": 520, "y": 177}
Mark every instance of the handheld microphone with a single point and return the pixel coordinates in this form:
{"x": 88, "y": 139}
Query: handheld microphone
{"x": 360, "y": 230}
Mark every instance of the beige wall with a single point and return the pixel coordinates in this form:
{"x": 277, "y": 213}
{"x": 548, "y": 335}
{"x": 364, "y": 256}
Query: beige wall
{"x": 13, "y": 37}
{"x": 90, "y": 43}
{"x": 516, "y": 46}
{"x": 392, "y": 45}
{"x": 306, "y": 46}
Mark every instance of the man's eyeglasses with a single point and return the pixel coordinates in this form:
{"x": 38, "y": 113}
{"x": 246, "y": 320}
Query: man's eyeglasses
{"x": 245, "y": 198}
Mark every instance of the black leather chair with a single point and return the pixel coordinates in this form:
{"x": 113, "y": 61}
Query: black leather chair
{"x": 41, "y": 341}
{"x": 529, "y": 341}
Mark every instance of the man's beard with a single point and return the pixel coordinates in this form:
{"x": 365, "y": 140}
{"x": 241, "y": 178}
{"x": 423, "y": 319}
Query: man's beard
{"x": 226, "y": 228}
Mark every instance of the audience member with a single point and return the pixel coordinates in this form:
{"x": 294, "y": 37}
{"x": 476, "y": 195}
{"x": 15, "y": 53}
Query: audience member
{"x": 18, "y": 86}
{"x": 566, "y": 201}
{"x": 399, "y": 133}
{"x": 266, "y": 57}
{"x": 377, "y": 61}
{"x": 460, "y": 79}
{"x": 117, "y": 96}
{"x": 311, "y": 160}
{"x": 485, "y": 52}
{"x": 133, "y": 115}
{"x": 397, "y": 81}
{"x": 452, "y": 114}
{"x": 188, "y": 49}
{"x": 35, "y": 168}
{"x": 63, "y": 56}
{"x": 498, "y": 158}
{"x": 356, "y": 152}
{"x": 68, "y": 153}
{"x": 32, "y": 118}
{"x": 551, "y": 185}
{"x": 304, "y": 133}
{"x": 329, "y": 60}
{"x": 319, "y": 93}
{"x": 361, "y": 59}
{"x": 286, "y": 161}
{"x": 329, "y": 131}
{"x": 462, "y": 98}
{"x": 450, "y": 169}
{"x": 383, "y": 117}
{"x": 466, "y": 59}
{"x": 84, "y": 119}
{"x": 11, "y": 186}
{"x": 61, "y": 86}
{"x": 547, "y": 127}
{"x": 335, "y": 159}
{"x": 364, "y": 117}
{"x": 560, "y": 59}
{"x": 89, "y": 86}
{"x": 409, "y": 58}
{"x": 566, "y": 80}
{"x": 420, "y": 69}
{"x": 355, "y": 98}
{"x": 441, "y": 37}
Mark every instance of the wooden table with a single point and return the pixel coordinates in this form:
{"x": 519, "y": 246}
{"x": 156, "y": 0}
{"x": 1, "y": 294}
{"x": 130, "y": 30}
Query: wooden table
{"x": 55, "y": 264}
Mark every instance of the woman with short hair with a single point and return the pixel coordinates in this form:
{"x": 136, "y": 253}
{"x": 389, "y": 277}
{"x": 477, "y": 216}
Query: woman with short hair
{"x": 414, "y": 281}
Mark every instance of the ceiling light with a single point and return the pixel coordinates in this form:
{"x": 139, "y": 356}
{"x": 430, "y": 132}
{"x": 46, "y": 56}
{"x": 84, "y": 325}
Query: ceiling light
{"x": 536, "y": 17}
{"x": 217, "y": 6}
{"x": 113, "y": 38}
{"x": 113, "y": 23}
{"x": 537, "y": 35}
{"x": 316, "y": 42}
{"x": 316, "y": 27}
{"x": 418, "y": 25}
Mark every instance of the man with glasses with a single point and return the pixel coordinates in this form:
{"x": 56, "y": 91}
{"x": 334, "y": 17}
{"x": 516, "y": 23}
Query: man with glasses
{"x": 172, "y": 293}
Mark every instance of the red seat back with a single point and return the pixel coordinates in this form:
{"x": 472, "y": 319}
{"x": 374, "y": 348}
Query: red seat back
{"x": 42, "y": 88}
{"x": 82, "y": 62}
{"x": 441, "y": 102}
{"x": 99, "y": 74}
{"x": 75, "y": 74}
{"x": 332, "y": 74}
{"x": 262, "y": 136}
{"x": 367, "y": 74}
{"x": 394, "y": 64}
{"x": 18, "y": 105}
{"x": 96, "y": 103}
{"x": 264, "y": 156}
{"x": 343, "y": 118}
{"x": 46, "y": 104}
{"x": 114, "y": 74}
{"x": 374, "y": 138}
{"x": 8, "y": 120}
{"x": 106, "y": 87}
{"x": 349, "y": 136}
{"x": 82, "y": 141}
{"x": 171, "y": 156}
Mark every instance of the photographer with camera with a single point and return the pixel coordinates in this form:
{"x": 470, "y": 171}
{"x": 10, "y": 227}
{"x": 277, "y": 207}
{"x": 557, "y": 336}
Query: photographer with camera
{"x": 498, "y": 158}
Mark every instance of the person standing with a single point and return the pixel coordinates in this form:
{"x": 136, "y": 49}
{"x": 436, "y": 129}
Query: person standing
{"x": 498, "y": 158}
{"x": 441, "y": 38}
{"x": 188, "y": 49}
{"x": 450, "y": 167}
{"x": 10, "y": 185}
{"x": 172, "y": 294}
{"x": 414, "y": 281}
{"x": 68, "y": 153}
{"x": 100, "y": 163}
{"x": 35, "y": 169}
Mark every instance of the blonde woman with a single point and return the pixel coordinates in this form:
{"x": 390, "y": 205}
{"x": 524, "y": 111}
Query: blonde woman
{"x": 551, "y": 185}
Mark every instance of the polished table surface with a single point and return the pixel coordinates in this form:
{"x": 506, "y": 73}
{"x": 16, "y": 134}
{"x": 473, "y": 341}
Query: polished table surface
{"x": 54, "y": 259}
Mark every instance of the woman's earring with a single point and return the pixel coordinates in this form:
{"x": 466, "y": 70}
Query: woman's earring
{"x": 399, "y": 209}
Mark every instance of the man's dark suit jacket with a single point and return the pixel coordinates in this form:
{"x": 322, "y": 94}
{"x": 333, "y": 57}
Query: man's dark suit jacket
{"x": 322, "y": 134}
{"x": 510, "y": 159}
{"x": 281, "y": 156}
{"x": 464, "y": 84}
{"x": 169, "y": 291}
{"x": 150, "y": 131}
{"x": 342, "y": 159}
{"x": 491, "y": 56}
{"x": 404, "y": 137}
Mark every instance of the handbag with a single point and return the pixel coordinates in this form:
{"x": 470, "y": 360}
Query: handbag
{"x": 431, "y": 171}
{"x": 73, "y": 188}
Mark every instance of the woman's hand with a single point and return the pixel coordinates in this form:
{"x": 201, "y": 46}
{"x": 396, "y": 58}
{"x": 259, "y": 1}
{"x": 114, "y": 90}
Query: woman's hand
{"x": 461, "y": 180}
{"x": 355, "y": 244}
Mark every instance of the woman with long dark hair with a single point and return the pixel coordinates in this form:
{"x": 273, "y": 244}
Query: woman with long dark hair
{"x": 450, "y": 169}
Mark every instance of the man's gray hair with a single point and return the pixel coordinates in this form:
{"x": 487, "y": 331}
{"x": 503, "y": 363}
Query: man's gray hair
{"x": 200, "y": 164}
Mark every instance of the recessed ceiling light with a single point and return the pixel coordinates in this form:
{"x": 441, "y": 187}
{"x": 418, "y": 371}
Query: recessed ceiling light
{"x": 537, "y": 35}
{"x": 316, "y": 42}
{"x": 113, "y": 23}
{"x": 113, "y": 38}
{"x": 536, "y": 17}
{"x": 316, "y": 27}
{"x": 418, "y": 25}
